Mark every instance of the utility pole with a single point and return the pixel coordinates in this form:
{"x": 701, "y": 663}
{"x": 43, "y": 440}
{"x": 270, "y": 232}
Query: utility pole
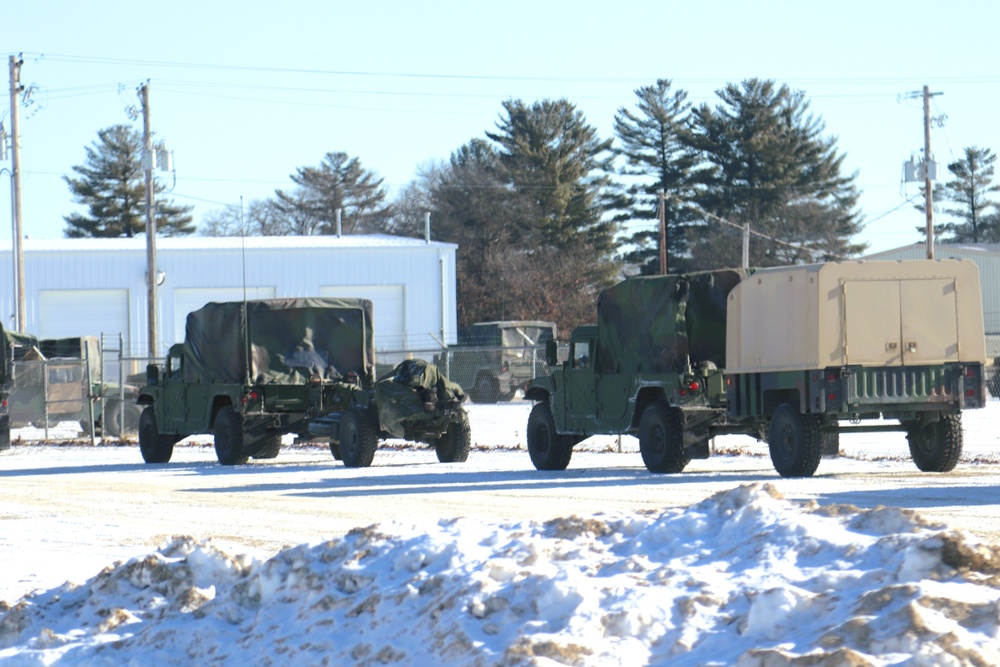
{"x": 148, "y": 158}
{"x": 928, "y": 196}
{"x": 15, "y": 186}
{"x": 663, "y": 233}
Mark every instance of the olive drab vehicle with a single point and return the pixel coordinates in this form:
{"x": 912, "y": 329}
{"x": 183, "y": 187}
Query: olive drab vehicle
{"x": 493, "y": 360}
{"x": 652, "y": 366}
{"x": 791, "y": 355}
{"x": 250, "y": 372}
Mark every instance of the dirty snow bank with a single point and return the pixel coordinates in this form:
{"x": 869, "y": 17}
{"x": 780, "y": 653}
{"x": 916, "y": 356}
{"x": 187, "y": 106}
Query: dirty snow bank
{"x": 743, "y": 578}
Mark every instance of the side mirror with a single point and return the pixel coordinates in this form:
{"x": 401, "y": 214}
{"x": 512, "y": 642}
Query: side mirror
{"x": 152, "y": 375}
{"x": 551, "y": 352}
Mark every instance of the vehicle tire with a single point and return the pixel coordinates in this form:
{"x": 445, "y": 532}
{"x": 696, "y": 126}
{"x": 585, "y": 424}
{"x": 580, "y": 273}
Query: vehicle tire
{"x": 454, "y": 445}
{"x": 831, "y": 443}
{"x": 4, "y": 432}
{"x": 661, "y": 438}
{"x": 487, "y": 389}
{"x": 154, "y": 446}
{"x": 229, "y": 437}
{"x": 268, "y": 446}
{"x": 548, "y": 449}
{"x": 358, "y": 438}
{"x": 112, "y": 421}
{"x": 936, "y": 446}
{"x": 795, "y": 442}
{"x": 335, "y": 450}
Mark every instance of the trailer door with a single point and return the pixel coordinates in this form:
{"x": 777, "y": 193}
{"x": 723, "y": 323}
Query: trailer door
{"x": 929, "y": 321}
{"x": 900, "y": 322}
{"x": 872, "y": 322}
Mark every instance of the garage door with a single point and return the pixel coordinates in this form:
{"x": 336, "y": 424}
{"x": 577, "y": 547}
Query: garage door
{"x": 192, "y": 298}
{"x": 73, "y": 313}
{"x": 389, "y": 303}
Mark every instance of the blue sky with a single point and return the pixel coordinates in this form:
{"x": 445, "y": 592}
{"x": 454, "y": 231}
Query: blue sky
{"x": 244, "y": 93}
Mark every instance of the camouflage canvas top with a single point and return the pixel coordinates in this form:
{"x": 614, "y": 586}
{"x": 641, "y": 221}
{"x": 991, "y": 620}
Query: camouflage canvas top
{"x": 401, "y": 395}
{"x": 651, "y": 324}
{"x": 285, "y": 341}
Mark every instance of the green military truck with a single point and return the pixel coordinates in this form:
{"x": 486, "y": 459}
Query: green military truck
{"x": 250, "y": 372}
{"x": 791, "y": 355}
{"x": 61, "y": 382}
{"x": 651, "y": 366}
{"x": 492, "y": 360}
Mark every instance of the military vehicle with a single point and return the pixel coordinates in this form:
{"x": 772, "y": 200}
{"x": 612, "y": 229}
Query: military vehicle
{"x": 250, "y": 372}
{"x": 12, "y": 347}
{"x": 791, "y": 355}
{"x": 492, "y": 360}
{"x": 59, "y": 381}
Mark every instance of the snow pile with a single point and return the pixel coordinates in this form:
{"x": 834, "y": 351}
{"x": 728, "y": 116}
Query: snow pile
{"x": 743, "y": 578}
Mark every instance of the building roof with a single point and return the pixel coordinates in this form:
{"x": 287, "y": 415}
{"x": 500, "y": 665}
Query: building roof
{"x": 194, "y": 243}
{"x": 965, "y": 249}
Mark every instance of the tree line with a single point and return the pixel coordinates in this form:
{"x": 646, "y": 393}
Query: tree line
{"x": 546, "y": 213}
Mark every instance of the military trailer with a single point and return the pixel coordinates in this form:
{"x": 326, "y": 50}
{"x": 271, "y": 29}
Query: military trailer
{"x": 493, "y": 360}
{"x": 250, "y": 372}
{"x": 791, "y": 355}
{"x": 818, "y": 350}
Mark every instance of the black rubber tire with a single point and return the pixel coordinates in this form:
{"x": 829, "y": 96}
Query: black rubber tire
{"x": 831, "y": 443}
{"x": 4, "y": 432}
{"x": 358, "y": 439}
{"x": 268, "y": 446}
{"x": 335, "y": 451}
{"x": 661, "y": 439}
{"x": 111, "y": 422}
{"x": 454, "y": 445}
{"x": 795, "y": 442}
{"x": 548, "y": 450}
{"x": 229, "y": 437}
{"x": 154, "y": 446}
{"x": 937, "y": 446}
{"x": 487, "y": 389}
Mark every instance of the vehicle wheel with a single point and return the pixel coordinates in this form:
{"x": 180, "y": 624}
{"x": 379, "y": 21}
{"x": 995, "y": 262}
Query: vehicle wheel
{"x": 268, "y": 446}
{"x": 831, "y": 443}
{"x": 487, "y": 389}
{"x": 154, "y": 447}
{"x": 229, "y": 437}
{"x": 112, "y": 420}
{"x": 335, "y": 450}
{"x": 795, "y": 442}
{"x": 661, "y": 439}
{"x": 454, "y": 445}
{"x": 4, "y": 432}
{"x": 358, "y": 439}
{"x": 936, "y": 446}
{"x": 548, "y": 449}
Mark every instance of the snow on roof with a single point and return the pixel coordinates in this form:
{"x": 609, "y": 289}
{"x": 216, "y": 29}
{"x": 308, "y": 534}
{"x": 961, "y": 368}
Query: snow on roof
{"x": 196, "y": 243}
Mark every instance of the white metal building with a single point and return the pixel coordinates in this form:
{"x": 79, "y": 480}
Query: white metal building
{"x": 76, "y": 287}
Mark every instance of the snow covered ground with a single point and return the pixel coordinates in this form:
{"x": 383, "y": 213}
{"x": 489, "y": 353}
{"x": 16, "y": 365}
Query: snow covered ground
{"x": 744, "y": 577}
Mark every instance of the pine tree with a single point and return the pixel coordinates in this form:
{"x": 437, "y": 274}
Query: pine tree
{"x": 970, "y": 189}
{"x": 653, "y": 145}
{"x": 768, "y": 164}
{"x": 339, "y": 182}
{"x": 112, "y": 186}
{"x": 548, "y": 150}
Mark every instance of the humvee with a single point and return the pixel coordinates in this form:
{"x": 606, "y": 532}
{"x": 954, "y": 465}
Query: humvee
{"x": 250, "y": 372}
{"x": 790, "y": 355}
